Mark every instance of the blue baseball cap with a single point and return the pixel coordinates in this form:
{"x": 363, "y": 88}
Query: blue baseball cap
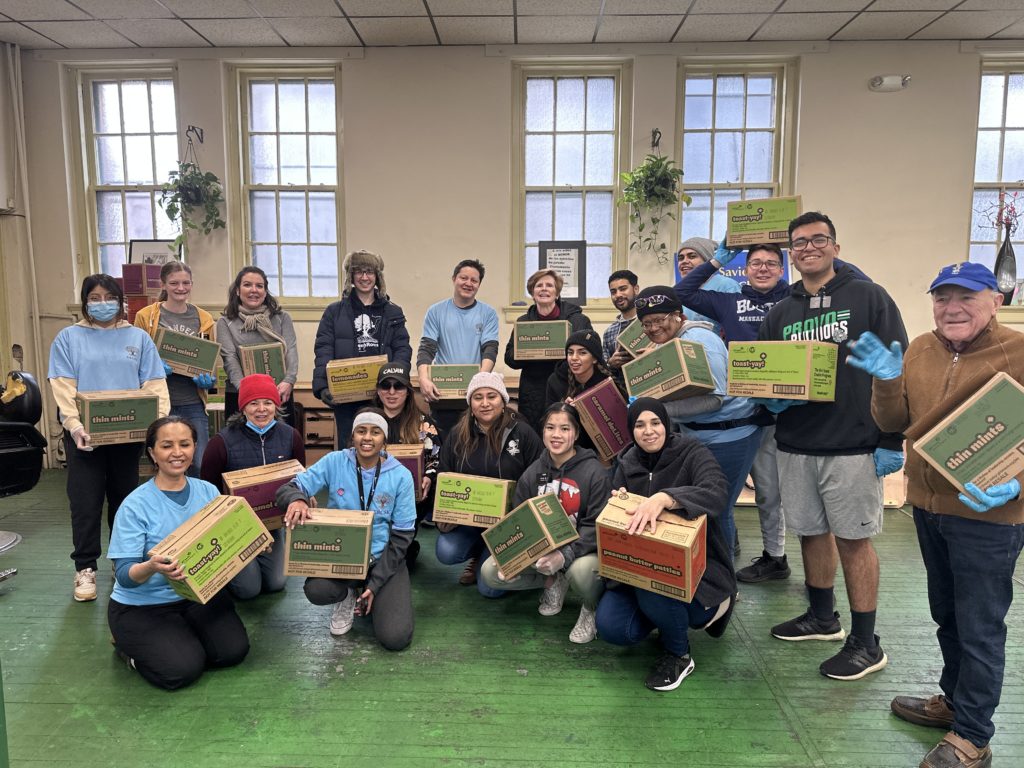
{"x": 974, "y": 277}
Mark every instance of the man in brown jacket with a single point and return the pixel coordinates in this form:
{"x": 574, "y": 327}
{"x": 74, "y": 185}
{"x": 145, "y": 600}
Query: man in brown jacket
{"x": 970, "y": 543}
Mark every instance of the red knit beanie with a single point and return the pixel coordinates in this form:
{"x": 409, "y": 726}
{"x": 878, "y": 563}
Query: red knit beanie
{"x": 257, "y": 386}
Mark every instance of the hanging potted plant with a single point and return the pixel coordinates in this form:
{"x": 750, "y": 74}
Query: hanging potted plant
{"x": 191, "y": 196}
{"x": 652, "y": 190}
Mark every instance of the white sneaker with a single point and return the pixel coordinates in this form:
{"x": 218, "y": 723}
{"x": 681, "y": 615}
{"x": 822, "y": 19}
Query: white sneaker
{"x": 85, "y": 585}
{"x": 586, "y": 627}
{"x": 552, "y": 597}
{"x": 343, "y": 615}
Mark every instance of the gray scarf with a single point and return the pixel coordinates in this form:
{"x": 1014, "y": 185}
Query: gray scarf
{"x": 259, "y": 320}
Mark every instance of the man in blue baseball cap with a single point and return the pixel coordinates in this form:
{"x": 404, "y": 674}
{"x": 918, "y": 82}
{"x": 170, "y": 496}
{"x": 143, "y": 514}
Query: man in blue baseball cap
{"x": 970, "y": 542}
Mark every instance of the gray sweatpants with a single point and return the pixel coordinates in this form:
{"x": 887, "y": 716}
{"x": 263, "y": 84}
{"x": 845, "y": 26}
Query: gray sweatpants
{"x": 765, "y": 472}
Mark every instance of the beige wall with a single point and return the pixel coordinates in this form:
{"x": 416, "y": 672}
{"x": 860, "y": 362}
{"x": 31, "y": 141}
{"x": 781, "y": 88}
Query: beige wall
{"x": 427, "y": 162}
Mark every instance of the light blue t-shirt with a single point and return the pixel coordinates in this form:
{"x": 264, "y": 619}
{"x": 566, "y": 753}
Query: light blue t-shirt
{"x": 717, "y": 282}
{"x": 460, "y": 333}
{"x": 144, "y": 519}
{"x": 394, "y": 500}
{"x": 100, "y": 359}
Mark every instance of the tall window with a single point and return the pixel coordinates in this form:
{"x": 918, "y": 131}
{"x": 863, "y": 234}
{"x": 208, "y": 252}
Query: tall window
{"x": 999, "y": 162}
{"x": 731, "y": 142}
{"x": 570, "y": 131}
{"x": 131, "y": 146}
{"x": 290, "y": 181}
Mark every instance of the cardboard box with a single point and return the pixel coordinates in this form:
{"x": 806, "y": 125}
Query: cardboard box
{"x": 634, "y": 339}
{"x": 602, "y": 412}
{"x": 333, "y": 544}
{"x": 258, "y": 486}
{"x": 471, "y": 500}
{"x": 318, "y": 427}
{"x": 263, "y": 358}
{"x": 411, "y": 457}
{"x": 213, "y": 545}
{"x": 187, "y": 355}
{"x": 216, "y": 395}
{"x": 670, "y": 561}
{"x": 142, "y": 279}
{"x": 134, "y": 303}
{"x": 982, "y": 440}
{"x": 531, "y": 530}
{"x": 539, "y": 339}
{"x": 792, "y": 370}
{"x": 117, "y": 415}
{"x": 354, "y": 379}
{"x": 452, "y": 382}
{"x": 675, "y": 370}
{"x": 760, "y": 221}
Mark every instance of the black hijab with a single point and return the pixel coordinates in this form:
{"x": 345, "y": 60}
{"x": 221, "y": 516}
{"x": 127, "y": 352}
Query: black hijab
{"x": 638, "y": 406}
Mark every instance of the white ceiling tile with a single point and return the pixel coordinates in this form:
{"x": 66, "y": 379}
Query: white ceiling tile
{"x": 644, "y": 7}
{"x": 803, "y": 6}
{"x": 992, "y": 5}
{"x": 470, "y": 7}
{"x": 915, "y": 5}
{"x": 124, "y": 9}
{"x": 802, "y": 26}
{"x": 40, "y": 10}
{"x": 734, "y": 6}
{"x": 81, "y": 34}
{"x": 469, "y": 30}
{"x": 719, "y": 27}
{"x": 273, "y": 9}
{"x": 637, "y": 29}
{"x": 559, "y": 8}
{"x": 556, "y": 29}
{"x": 237, "y": 32}
{"x": 11, "y": 32}
{"x": 886, "y": 26}
{"x": 158, "y": 33}
{"x": 384, "y": 8}
{"x": 1013, "y": 32}
{"x": 204, "y": 9}
{"x": 329, "y": 31}
{"x": 968, "y": 25}
{"x": 396, "y": 31}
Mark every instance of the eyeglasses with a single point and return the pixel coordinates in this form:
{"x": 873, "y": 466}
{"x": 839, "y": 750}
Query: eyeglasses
{"x": 818, "y": 241}
{"x": 651, "y": 301}
{"x": 364, "y": 272}
{"x": 651, "y": 322}
{"x": 395, "y": 386}
{"x": 772, "y": 265}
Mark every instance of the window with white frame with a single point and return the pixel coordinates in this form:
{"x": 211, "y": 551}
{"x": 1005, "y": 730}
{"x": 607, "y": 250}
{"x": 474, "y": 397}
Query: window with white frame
{"x": 731, "y": 141}
{"x": 290, "y": 180}
{"x": 999, "y": 162}
{"x": 569, "y": 164}
{"x": 131, "y": 145}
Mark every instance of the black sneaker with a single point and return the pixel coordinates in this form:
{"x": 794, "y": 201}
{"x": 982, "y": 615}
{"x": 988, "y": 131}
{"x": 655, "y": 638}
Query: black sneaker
{"x": 808, "y": 627}
{"x": 764, "y": 568}
{"x": 411, "y": 554}
{"x": 854, "y": 661}
{"x": 669, "y": 672}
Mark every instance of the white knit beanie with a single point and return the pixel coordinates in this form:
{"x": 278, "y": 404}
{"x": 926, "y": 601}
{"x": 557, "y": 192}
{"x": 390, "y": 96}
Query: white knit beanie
{"x": 490, "y": 380}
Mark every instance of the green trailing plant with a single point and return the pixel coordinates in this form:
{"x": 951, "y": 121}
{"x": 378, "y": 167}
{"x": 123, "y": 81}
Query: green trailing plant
{"x": 192, "y": 197}
{"x": 652, "y": 190}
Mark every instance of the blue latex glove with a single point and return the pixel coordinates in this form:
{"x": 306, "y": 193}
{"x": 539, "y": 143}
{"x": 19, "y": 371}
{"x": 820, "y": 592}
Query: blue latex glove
{"x": 994, "y": 496}
{"x": 204, "y": 381}
{"x": 887, "y": 461}
{"x": 724, "y": 254}
{"x": 775, "y": 405}
{"x": 869, "y": 354}
{"x": 167, "y": 369}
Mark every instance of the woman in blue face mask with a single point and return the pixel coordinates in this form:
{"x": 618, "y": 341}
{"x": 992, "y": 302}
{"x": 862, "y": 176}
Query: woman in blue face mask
{"x": 253, "y": 437}
{"x": 101, "y": 352}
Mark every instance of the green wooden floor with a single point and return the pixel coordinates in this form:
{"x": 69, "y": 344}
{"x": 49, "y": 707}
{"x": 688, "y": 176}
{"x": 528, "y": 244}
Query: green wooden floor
{"x": 485, "y": 683}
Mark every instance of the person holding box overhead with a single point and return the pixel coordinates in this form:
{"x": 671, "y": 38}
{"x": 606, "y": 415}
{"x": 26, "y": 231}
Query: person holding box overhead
{"x": 364, "y": 323}
{"x": 101, "y": 352}
{"x": 676, "y": 473}
{"x": 970, "y": 543}
{"x": 253, "y": 316}
{"x": 173, "y": 311}
{"x": 364, "y": 477}
{"x": 170, "y": 641}
{"x": 254, "y": 437}
{"x": 693, "y": 254}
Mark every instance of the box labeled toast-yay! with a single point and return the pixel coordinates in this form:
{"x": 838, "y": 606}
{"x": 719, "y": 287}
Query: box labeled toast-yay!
{"x": 117, "y": 416}
{"x": 258, "y": 486}
{"x": 471, "y": 500}
{"x": 527, "y": 533}
{"x": 764, "y": 220}
{"x": 791, "y": 370}
{"x": 354, "y": 379}
{"x": 333, "y": 544}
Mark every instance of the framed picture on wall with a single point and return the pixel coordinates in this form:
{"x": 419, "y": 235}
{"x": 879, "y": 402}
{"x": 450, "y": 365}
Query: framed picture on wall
{"x": 152, "y": 252}
{"x": 569, "y": 259}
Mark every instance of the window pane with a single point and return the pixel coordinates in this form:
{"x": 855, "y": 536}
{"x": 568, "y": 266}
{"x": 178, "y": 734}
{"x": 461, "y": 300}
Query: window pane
{"x": 1015, "y": 103}
{"x": 600, "y": 104}
{"x": 166, "y": 229}
{"x": 295, "y": 261}
{"x": 986, "y": 163}
{"x": 323, "y": 160}
{"x": 322, "y": 218}
{"x": 757, "y": 193}
{"x": 757, "y": 158}
{"x": 111, "y": 259}
{"x": 697, "y": 157}
{"x": 718, "y": 217}
{"x": 1013, "y": 155}
{"x": 291, "y": 97}
{"x": 262, "y": 107}
{"x": 161, "y": 93}
{"x": 760, "y": 86}
{"x": 532, "y": 261}
{"x": 322, "y": 112}
{"x": 106, "y": 108}
{"x": 540, "y": 104}
{"x": 109, "y": 161}
{"x": 140, "y": 159}
{"x": 697, "y": 112}
{"x": 263, "y": 215}
{"x": 729, "y": 102}
{"x": 727, "y": 157}
{"x": 697, "y": 216}
{"x": 600, "y": 159}
{"x": 598, "y": 228}
{"x": 569, "y": 115}
{"x": 538, "y": 216}
{"x": 760, "y": 112}
{"x": 109, "y": 217}
{"x": 990, "y": 110}
{"x": 984, "y": 254}
{"x": 166, "y": 156}
{"x": 983, "y": 211}
{"x": 139, "y": 213}
{"x": 599, "y": 266}
{"x": 293, "y": 217}
{"x": 539, "y": 159}
{"x": 568, "y": 216}
{"x": 262, "y": 160}
{"x": 135, "y": 94}
{"x": 265, "y": 257}
{"x": 568, "y": 159}
{"x": 293, "y": 160}
{"x": 324, "y": 270}
{"x": 699, "y": 86}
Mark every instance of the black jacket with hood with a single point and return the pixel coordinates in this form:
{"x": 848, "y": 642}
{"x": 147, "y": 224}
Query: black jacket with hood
{"x": 520, "y": 447}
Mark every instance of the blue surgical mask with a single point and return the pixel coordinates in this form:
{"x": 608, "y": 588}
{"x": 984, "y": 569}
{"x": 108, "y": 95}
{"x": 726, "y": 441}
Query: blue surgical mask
{"x": 103, "y": 311}
{"x": 260, "y": 430}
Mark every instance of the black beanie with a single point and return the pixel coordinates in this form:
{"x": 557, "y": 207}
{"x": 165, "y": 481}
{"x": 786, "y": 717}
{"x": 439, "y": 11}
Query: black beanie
{"x": 657, "y": 300}
{"x": 589, "y": 340}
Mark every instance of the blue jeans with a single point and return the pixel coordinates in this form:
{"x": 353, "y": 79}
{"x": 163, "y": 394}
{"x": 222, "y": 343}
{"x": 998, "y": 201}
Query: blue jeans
{"x": 264, "y": 574}
{"x": 626, "y": 615}
{"x": 460, "y": 545}
{"x": 195, "y": 414}
{"x": 970, "y": 586}
{"x": 735, "y": 459}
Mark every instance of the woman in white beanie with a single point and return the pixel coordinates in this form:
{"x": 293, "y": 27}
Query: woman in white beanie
{"x": 490, "y": 441}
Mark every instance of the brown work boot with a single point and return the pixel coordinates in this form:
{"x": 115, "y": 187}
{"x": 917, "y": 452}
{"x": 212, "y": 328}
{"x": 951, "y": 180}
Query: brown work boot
{"x": 468, "y": 575}
{"x": 933, "y": 712}
{"x": 954, "y": 752}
